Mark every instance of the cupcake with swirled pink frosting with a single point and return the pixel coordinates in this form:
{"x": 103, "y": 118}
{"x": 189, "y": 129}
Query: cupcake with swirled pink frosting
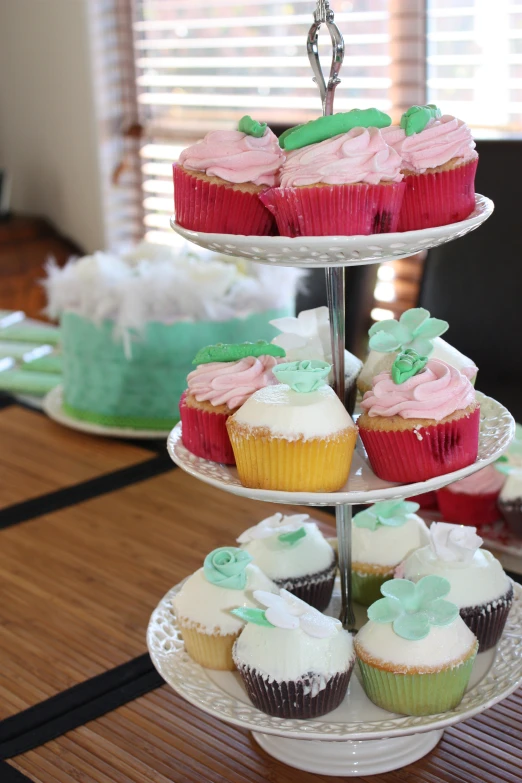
{"x": 439, "y": 162}
{"x": 225, "y": 377}
{"x": 217, "y": 182}
{"x": 340, "y": 177}
{"x": 420, "y": 420}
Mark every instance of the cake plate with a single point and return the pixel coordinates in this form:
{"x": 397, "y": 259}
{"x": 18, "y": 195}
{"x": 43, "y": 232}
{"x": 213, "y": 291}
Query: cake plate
{"x": 334, "y": 251}
{"x": 53, "y": 407}
{"x": 358, "y": 738}
{"x": 497, "y": 428}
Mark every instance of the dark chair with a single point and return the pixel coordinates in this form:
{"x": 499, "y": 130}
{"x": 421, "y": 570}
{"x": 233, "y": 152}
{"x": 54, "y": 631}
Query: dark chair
{"x": 475, "y": 283}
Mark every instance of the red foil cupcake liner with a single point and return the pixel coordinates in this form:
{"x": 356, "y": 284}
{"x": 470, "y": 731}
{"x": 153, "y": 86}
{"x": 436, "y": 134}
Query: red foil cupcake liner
{"x": 427, "y": 501}
{"x": 337, "y": 210}
{"x": 205, "y": 434}
{"x": 299, "y": 699}
{"x": 487, "y": 621}
{"x": 438, "y": 199}
{"x": 465, "y": 509}
{"x": 417, "y": 455}
{"x": 204, "y": 206}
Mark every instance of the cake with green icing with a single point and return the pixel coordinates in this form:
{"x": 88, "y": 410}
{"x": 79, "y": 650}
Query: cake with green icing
{"x": 132, "y": 325}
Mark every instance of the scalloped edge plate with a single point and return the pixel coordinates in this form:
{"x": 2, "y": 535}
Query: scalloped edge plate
{"x": 497, "y": 428}
{"x": 337, "y": 250}
{"x": 496, "y": 674}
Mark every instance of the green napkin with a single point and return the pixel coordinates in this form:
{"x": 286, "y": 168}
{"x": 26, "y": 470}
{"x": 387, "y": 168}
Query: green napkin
{"x": 41, "y": 335}
{"x": 50, "y": 363}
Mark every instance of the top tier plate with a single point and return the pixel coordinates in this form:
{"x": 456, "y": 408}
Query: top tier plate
{"x": 337, "y": 251}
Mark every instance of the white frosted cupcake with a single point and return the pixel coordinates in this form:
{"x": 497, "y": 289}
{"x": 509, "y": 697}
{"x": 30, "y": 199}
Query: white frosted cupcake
{"x": 382, "y": 536}
{"x": 296, "y": 436}
{"x": 415, "y": 330}
{"x": 479, "y": 586}
{"x": 202, "y": 607}
{"x": 293, "y": 553}
{"x": 294, "y": 661}
{"x": 415, "y": 654}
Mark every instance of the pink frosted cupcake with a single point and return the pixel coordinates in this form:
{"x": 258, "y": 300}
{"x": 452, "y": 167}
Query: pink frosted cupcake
{"x": 419, "y": 423}
{"x": 340, "y": 178}
{"x": 439, "y": 162}
{"x": 226, "y": 376}
{"x": 472, "y": 500}
{"x": 217, "y": 182}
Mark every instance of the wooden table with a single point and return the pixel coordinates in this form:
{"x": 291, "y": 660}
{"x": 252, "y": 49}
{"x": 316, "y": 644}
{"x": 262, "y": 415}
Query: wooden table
{"x": 92, "y": 533}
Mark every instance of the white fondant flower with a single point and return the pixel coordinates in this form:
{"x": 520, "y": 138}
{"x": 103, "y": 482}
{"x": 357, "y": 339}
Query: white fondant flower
{"x": 305, "y": 337}
{"x": 289, "y": 612}
{"x": 454, "y": 543}
{"x": 274, "y": 525}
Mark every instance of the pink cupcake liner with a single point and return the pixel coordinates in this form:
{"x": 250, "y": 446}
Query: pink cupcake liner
{"x": 417, "y": 455}
{"x": 438, "y": 199}
{"x": 465, "y": 509}
{"x": 205, "y": 434}
{"x": 204, "y": 206}
{"x": 339, "y": 210}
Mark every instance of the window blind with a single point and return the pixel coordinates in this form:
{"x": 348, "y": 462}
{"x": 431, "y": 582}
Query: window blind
{"x": 202, "y": 65}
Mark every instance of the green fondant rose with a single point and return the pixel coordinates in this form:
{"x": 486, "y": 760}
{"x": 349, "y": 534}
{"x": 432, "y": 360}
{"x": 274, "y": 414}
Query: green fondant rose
{"x": 327, "y": 127}
{"x": 232, "y": 352}
{"x": 417, "y": 117}
{"x": 256, "y": 616}
{"x": 293, "y": 537}
{"x": 414, "y": 608}
{"x": 251, "y": 127}
{"x": 225, "y": 567}
{"x": 415, "y": 329}
{"x": 387, "y": 513}
{"x": 303, "y": 377}
{"x": 406, "y": 365}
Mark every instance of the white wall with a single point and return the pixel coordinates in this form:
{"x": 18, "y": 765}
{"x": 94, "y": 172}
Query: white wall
{"x": 48, "y": 132}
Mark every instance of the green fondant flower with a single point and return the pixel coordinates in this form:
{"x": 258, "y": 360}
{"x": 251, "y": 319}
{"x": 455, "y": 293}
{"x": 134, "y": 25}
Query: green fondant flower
{"x": 406, "y": 365}
{"x": 387, "y": 513}
{"x": 415, "y": 329}
{"x": 256, "y": 616}
{"x": 417, "y": 117}
{"x": 414, "y": 608}
{"x": 225, "y": 567}
{"x": 333, "y": 125}
{"x": 232, "y": 352}
{"x": 303, "y": 377}
{"x": 293, "y": 537}
{"x": 251, "y": 127}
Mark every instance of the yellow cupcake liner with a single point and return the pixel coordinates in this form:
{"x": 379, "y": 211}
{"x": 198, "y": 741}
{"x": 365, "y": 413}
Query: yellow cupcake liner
{"x": 312, "y": 465}
{"x": 212, "y": 651}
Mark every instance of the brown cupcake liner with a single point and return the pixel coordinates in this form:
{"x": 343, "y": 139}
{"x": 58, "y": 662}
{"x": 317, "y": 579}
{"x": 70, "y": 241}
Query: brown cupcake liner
{"x": 511, "y": 510}
{"x": 299, "y": 699}
{"x": 487, "y": 621}
{"x": 315, "y": 589}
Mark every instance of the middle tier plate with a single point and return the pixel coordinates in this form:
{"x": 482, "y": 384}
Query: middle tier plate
{"x": 497, "y": 428}
{"x": 312, "y": 252}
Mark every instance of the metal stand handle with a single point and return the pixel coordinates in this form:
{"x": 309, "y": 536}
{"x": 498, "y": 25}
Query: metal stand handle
{"x": 335, "y": 289}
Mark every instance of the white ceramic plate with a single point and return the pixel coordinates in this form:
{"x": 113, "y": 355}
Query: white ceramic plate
{"x": 52, "y": 405}
{"x": 497, "y": 428}
{"x": 337, "y": 251}
{"x": 221, "y": 694}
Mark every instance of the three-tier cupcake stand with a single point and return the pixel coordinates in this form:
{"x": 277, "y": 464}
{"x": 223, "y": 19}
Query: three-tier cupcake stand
{"x": 358, "y": 738}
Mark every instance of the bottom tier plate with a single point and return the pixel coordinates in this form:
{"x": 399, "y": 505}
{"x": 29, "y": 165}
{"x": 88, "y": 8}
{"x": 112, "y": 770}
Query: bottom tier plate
{"x": 496, "y": 674}
{"x": 497, "y": 428}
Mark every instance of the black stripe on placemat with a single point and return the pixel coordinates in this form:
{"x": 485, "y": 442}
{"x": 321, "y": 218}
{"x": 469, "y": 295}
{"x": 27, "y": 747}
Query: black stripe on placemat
{"x": 9, "y": 774}
{"x": 6, "y": 400}
{"x": 76, "y": 706}
{"x": 87, "y": 490}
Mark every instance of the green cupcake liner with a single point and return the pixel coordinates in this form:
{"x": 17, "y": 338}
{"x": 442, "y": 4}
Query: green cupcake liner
{"x": 416, "y": 694}
{"x": 366, "y": 588}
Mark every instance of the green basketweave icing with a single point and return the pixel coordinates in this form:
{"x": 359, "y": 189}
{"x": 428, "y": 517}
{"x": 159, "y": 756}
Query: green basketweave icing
{"x": 100, "y": 381}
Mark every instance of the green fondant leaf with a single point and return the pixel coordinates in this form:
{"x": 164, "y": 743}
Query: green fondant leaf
{"x": 293, "y": 537}
{"x": 384, "y": 342}
{"x": 385, "y": 610}
{"x": 333, "y": 125}
{"x": 432, "y": 327}
{"x": 251, "y": 127}
{"x": 430, "y": 588}
{"x": 256, "y": 616}
{"x": 232, "y": 352}
{"x": 303, "y": 377}
{"x": 412, "y": 626}
{"x": 366, "y": 519}
{"x": 414, "y": 317}
{"x": 423, "y": 347}
{"x": 441, "y": 612}
{"x": 401, "y": 589}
